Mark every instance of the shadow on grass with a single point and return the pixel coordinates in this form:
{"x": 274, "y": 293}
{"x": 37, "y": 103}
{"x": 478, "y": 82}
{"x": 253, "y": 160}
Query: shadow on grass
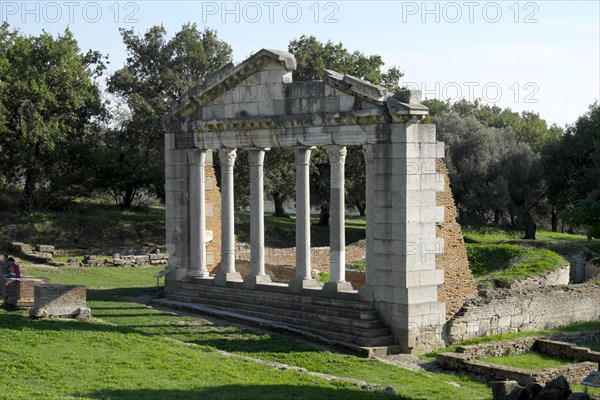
{"x": 263, "y": 392}
{"x": 118, "y": 315}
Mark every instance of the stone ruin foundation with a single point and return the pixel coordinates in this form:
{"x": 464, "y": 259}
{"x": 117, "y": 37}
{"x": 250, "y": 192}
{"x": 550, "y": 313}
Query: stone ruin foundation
{"x": 60, "y": 301}
{"x": 18, "y": 293}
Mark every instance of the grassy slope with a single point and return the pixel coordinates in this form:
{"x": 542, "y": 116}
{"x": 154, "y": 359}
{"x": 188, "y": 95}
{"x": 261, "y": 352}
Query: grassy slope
{"x": 128, "y": 355}
{"x": 529, "y": 361}
{"x": 491, "y": 263}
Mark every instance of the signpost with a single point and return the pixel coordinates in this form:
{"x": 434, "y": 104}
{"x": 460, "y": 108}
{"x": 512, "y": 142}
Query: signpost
{"x": 593, "y": 380}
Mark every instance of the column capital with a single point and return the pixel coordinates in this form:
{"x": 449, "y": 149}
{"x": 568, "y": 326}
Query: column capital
{"x": 302, "y": 154}
{"x": 196, "y": 157}
{"x": 227, "y": 156}
{"x": 256, "y": 156}
{"x": 337, "y": 154}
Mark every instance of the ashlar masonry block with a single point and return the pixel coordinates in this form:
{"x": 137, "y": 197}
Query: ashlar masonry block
{"x": 60, "y": 301}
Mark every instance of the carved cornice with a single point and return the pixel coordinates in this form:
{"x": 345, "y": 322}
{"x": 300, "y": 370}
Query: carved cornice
{"x": 371, "y": 116}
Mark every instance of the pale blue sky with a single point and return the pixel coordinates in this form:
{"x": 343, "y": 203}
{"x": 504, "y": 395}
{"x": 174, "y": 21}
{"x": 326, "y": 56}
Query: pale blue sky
{"x": 527, "y": 55}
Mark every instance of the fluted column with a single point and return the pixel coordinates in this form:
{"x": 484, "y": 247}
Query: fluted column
{"x": 366, "y": 291}
{"x": 337, "y": 231}
{"x": 303, "y": 277}
{"x": 257, "y": 220}
{"x": 197, "y": 214}
{"x": 228, "y": 272}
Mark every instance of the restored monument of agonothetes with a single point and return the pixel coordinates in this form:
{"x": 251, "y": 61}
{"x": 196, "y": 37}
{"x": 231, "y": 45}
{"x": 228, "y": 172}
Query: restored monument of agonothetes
{"x": 416, "y": 268}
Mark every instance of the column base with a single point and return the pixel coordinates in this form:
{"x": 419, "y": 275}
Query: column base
{"x": 297, "y": 285}
{"x": 335, "y": 287}
{"x": 222, "y": 278}
{"x": 251, "y": 281}
{"x": 196, "y": 273}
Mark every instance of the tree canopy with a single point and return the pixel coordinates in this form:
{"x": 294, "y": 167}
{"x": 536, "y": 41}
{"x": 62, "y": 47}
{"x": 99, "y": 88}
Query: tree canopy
{"x": 50, "y": 105}
{"x": 158, "y": 70}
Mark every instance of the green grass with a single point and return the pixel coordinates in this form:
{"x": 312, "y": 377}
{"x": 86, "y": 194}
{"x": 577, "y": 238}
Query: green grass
{"x": 489, "y": 235}
{"x": 501, "y": 264}
{"x": 128, "y": 353}
{"x": 528, "y": 361}
{"x": 593, "y": 346}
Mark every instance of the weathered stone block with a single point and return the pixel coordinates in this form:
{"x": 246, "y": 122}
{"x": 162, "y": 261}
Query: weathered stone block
{"x": 19, "y": 292}
{"x": 60, "y": 301}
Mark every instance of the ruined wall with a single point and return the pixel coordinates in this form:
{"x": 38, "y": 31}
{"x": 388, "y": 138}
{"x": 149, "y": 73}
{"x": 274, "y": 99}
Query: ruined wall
{"x": 213, "y": 217}
{"x": 507, "y": 311}
{"x": 319, "y": 256}
{"x": 458, "y": 281}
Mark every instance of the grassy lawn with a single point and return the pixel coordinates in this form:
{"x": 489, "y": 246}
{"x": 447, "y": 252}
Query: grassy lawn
{"x": 528, "y": 361}
{"x": 501, "y": 264}
{"x": 127, "y": 352}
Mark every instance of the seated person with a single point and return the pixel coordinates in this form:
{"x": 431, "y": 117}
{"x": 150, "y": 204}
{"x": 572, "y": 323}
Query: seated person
{"x": 15, "y": 270}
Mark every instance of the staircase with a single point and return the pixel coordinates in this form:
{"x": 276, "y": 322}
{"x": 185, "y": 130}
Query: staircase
{"x": 343, "y": 322}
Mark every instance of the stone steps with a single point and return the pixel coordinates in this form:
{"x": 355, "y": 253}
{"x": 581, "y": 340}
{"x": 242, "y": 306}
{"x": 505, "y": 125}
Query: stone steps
{"x": 349, "y": 324}
{"x": 294, "y": 306}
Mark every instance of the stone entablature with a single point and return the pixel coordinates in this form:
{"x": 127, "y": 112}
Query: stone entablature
{"x": 256, "y": 106}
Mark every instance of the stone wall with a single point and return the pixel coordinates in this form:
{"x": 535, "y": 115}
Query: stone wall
{"x": 458, "y": 281}
{"x": 472, "y": 358}
{"x": 507, "y": 311}
{"x": 557, "y": 277}
{"x": 213, "y": 217}
{"x": 319, "y": 256}
{"x": 567, "y": 350}
{"x": 574, "y": 373}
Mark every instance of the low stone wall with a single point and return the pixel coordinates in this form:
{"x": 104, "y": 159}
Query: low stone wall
{"x": 557, "y": 277}
{"x": 509, "y": 311}
{"x": 319, "y": 256}
{"x": 472, "y": 358}
{"x": 122, "y": 260}
{"x": 566, "y": 350}
{"x": 574, "y": 373}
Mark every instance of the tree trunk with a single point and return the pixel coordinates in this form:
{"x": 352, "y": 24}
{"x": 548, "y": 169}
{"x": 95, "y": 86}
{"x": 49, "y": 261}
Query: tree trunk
{"x": 31, "y": 175}
{"x": 497, "y": 216}
{"x": 362, "y": 208}
{"x": 324, "y": 216}
{"x": 554, "y": 215}
{"x": 278, "y": 200}
{"x": 529, "y": 225}
{"x": 128, "y": 198}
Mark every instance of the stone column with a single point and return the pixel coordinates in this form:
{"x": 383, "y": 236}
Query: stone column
{"x": 257, "y": 220}
{"x": 196, "y": 204}
{"x": 366, "y": 291}
{"x": 337, "y": 229}
{"x": 303, "y": 277}
{"x": 228, "y": 272}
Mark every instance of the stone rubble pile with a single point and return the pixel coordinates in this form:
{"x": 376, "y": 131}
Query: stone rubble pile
{"x": 556, "y": 389}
